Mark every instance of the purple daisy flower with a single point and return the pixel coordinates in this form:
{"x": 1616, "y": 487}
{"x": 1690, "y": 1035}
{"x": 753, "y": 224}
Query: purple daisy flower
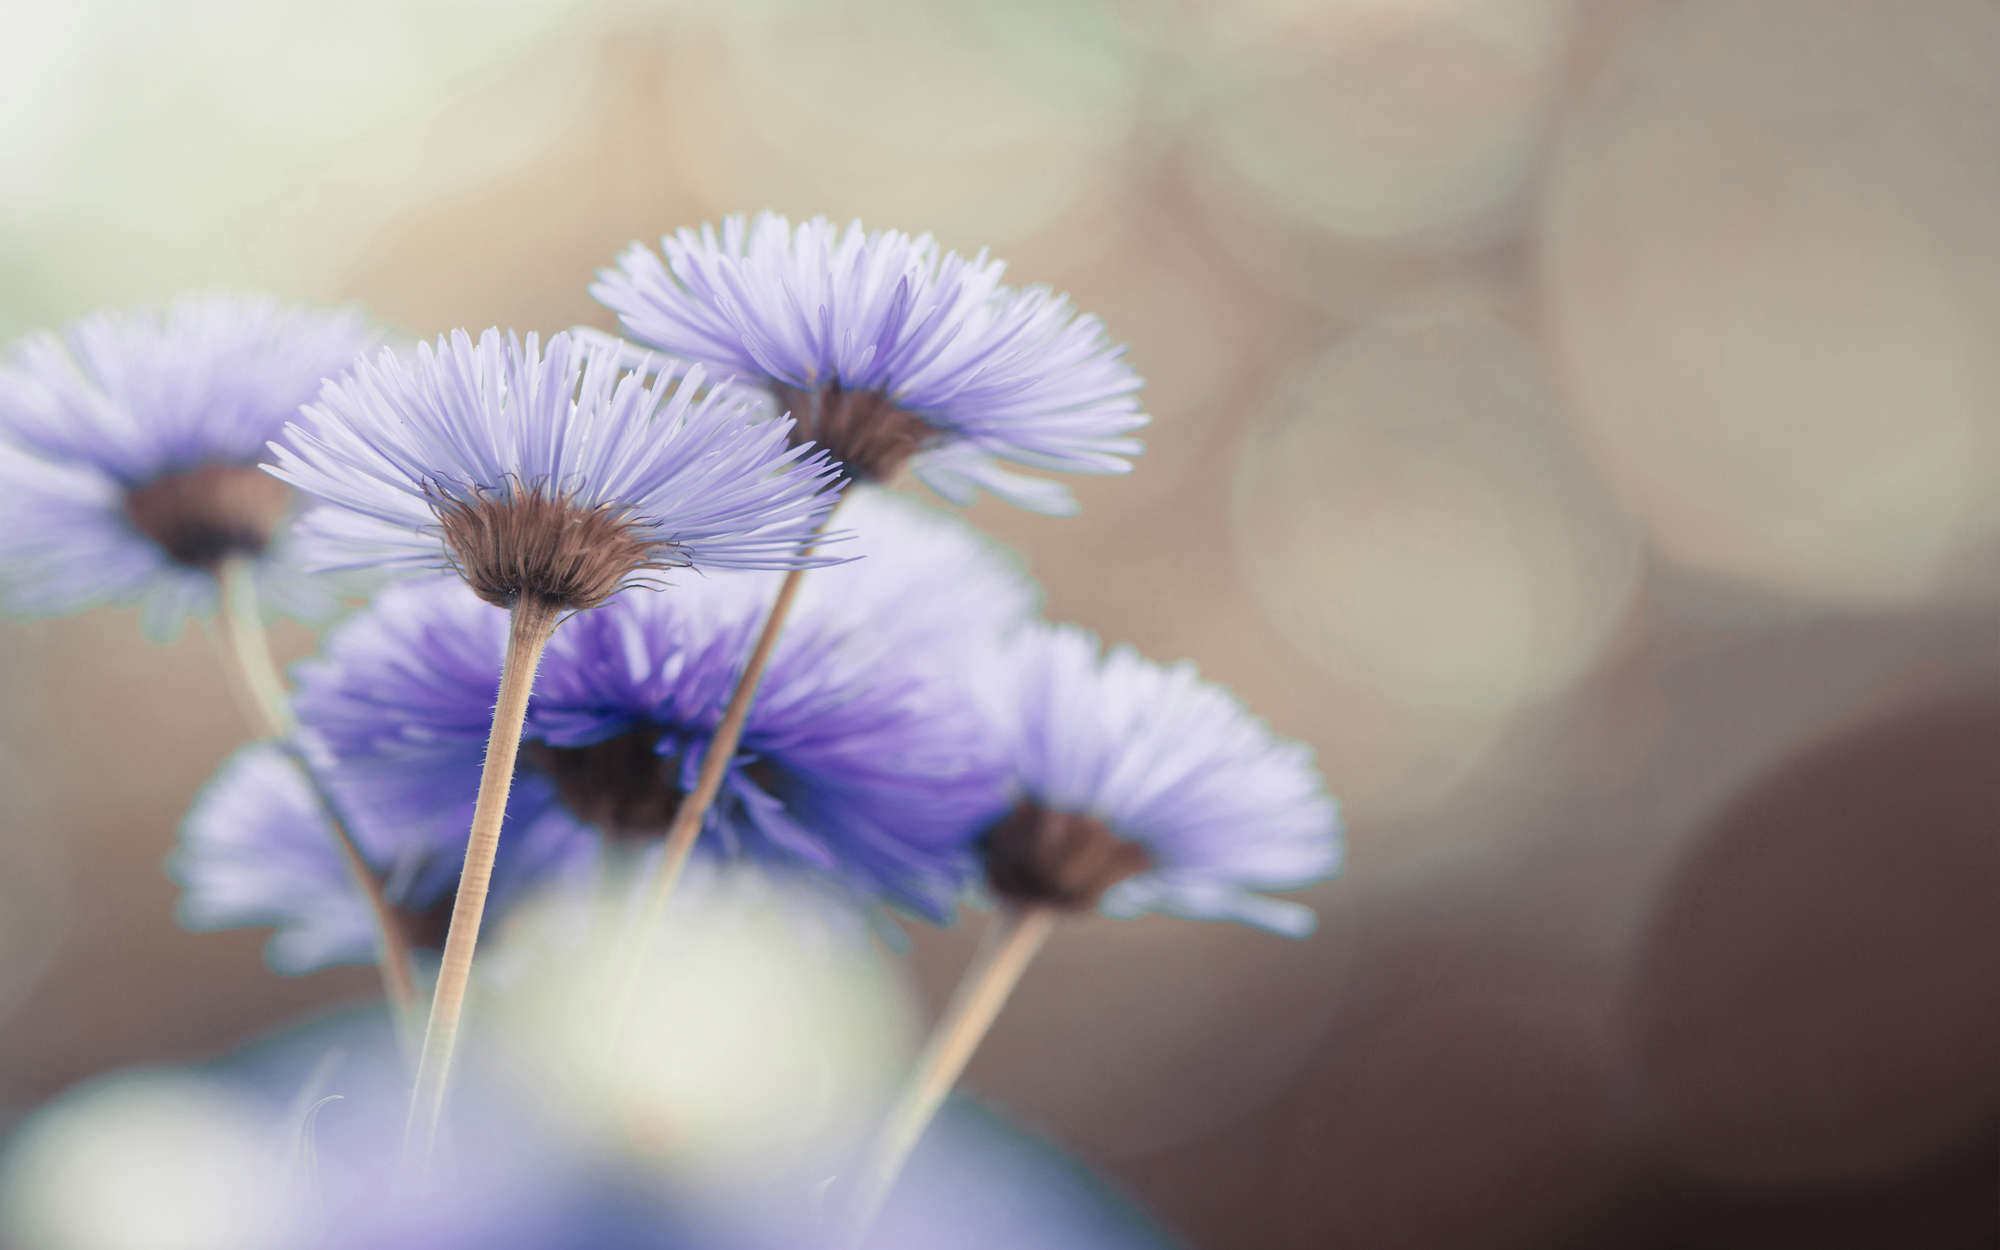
{"x": 862, "y": 760}
{"x": 396, "y": 710}
{"x": 889, "y": 350}
{"x": 256, "y": 850}
{"x": 1144, "y": 788}
{"x": 550, "y": 474}
{"x": 129, "y": 447}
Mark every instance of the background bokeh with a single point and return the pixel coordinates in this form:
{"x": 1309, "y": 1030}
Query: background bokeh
{"x": 1579, "y": 420}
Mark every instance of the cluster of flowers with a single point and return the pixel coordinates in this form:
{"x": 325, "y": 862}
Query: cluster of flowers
{"x": 604, "y": 649}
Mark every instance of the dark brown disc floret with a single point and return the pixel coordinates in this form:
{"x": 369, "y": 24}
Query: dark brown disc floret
{"x": 864, "y": 430}
{"x": 1037, "y": 855}
{"x": 622, "y": 785}
{"x": 204, "y": 515}
{"x": 524, "y": 543}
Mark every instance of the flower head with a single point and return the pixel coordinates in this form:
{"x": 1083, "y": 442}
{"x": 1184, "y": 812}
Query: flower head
{"x": 257, "y": 849}
{"x": 862, "y": 760}
{"x": 1144, "y": 788}
{"x": 553, "y": 474}
{"x": 889, "y": 350}
{"x": 129, "y": 447}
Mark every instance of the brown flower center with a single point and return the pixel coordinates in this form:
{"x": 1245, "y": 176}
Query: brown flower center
{"x": 865, "y": 432}
{"x": 203, "y": 515}
{"x": 1037, "y": 855}
{"x": 622, "y": 785}
{"x": 525, "y": 544}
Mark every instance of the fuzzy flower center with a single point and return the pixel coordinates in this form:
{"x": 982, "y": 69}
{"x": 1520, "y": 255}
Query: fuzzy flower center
{"x": 1038, "y": 855}
{"x": 526, "y": 544}
{"x": 624, "y": 786}
{"x": 867, "y": 433}
{"x": 202, "y": 516}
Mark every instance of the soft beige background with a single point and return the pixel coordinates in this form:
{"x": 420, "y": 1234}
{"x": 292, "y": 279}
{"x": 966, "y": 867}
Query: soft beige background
{"x": 1581, "y": 422}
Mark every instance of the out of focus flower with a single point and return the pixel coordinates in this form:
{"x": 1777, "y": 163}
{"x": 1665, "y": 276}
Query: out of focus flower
{"x": 129, "y": 447}
{"x": 889, "y": 351}
{"x": 862, "y": 759}
{"x": 760, "y": 1032}
{"x": 950, "y": 590}
{"x": 256, "y": 850}
{"x": 553, "y": 475}
{"x": 874, "y": 772}
{"x": 291, "y": 1144}
{"x": 146, "y": 1161}
{"x": 1144, "y": 788}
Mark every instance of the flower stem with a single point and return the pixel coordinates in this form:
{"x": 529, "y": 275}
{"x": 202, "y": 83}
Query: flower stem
{"x": 686, "y": 826}
{"x": 531, "y": 624}
{"x": 243, "y": 634}
{"x": 249, "y": 648}
{"x": 715, "y": 761}
{"x": 688, "y": 818}
{"x": 974, "y": 1006}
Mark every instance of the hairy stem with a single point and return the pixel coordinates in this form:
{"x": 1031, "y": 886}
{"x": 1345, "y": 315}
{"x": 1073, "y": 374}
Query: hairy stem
{"x": 974, "y": 1006}
{"x": 715, "y": 762}
{"x": 693, "y": 811}
{"x": 686, "y": 826}
{"x": 249, "y": 649}
{"x": 532, "y": 622}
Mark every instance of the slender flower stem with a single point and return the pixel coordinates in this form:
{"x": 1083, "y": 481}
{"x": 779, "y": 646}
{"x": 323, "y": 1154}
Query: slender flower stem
{"x": 686, "y": 827}
{"x": 688, "y": 818}
{"x": 693, "y": 810}
{"x": 974, "y": 1006}
{"x": 243, "y": 634}
{"x": 249, "y": 648}
{"x": 531, "y": 624}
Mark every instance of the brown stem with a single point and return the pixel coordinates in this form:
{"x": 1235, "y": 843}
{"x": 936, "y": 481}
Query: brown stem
{"x": 532, "y": 622}
{"x": 249, "y": 648}
{"x": 974, "y": 1006}
{"x": 693, "y": 810}
{"x": 688, "y": 818}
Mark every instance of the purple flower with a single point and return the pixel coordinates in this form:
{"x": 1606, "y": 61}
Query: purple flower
{"x": 862, "y": 762}
{"x": 551, "y": 473}
{"x": 256, "y": 850}
{"x": 128, "y": 452}
{"x": 951, "y": 590}
{"x": 889, "y": 350}
{"x": 1144, "y": 788}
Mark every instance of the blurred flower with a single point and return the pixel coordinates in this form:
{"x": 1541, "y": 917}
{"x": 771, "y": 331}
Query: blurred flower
{"x": 952, "y": 588}
{"x": 146, "y": 1161}
{"x": 890, "y": 351}
{"x": 759, "y": 1034}
{"x": 129, "y": 447}
{"x": 862, "y": 758}
{"x": 549, "y": 474}
{"x": 256, "y": 850}
{"x": 715, "y": 1129}
{"x": 1148, "y": 789}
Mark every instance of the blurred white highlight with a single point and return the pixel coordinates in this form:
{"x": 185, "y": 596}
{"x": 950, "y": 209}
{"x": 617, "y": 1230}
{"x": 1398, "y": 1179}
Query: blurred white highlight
{"x": 1413, "y": 518}
{"x": 1773, "y": 279}
{"x": 1412, "y": 121}
{"x": 765, "y": 1032}
{"x": 145, "y": 1161}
